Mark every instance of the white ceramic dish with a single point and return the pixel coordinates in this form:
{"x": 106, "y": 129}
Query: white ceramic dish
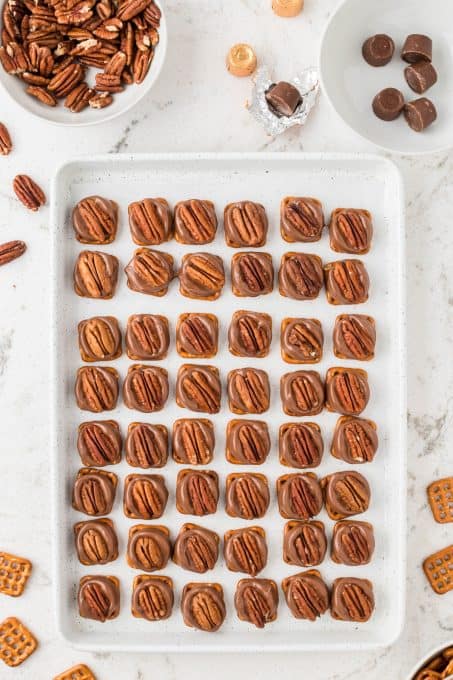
{"x": 350, "y": 83}
{"x": 337, "y": 180}
{"x": 122, "y": 102}
{"x": 436, "y": 651}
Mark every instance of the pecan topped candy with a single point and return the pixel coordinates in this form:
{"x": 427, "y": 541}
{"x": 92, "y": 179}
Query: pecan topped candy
{"x": 347, "y": 282}
{"x": 248, "y": 391}
{"x": 197, "y": 492}
{"x": 301, "y": 219}
{"x": 304, "y": 543}
{"x": 147, "y": 337}
{"x": 195, "y": 222}
{"x": 302, "y": 393}
{"x": 347, "y": 390}
{"x": 96, "y": 388}
{"x": 352, "y": 599}
{"x": 197, "y": 335}
{"x": 252, "y": 274}
{"x": 193, "y": 441}
{"x": 256, "y": 601}
{"x": 354, "y": 337}
{"x": 352, "y": 543}
{"x": 301, "y": 341}
{"x": 95, "y": 220}
{"x": 203, "y": 606}
{"x": 150, "y": 272}
{"x": 346, "y": 494}
{"x": 245, "y": 550}
{"x": 95, "y": 274}
{"x": 148, "y": 547}
{"x": 146, "y": 445}
{"x": 152, "y": 597}
{"x": 351, "y": 231}
{"x": 96, "y": 541}
{"x": 307, "y": 596}
{"x": 201, "y": 276}
{"x": 94, "y": 491}
{"x": 145, "y": 496}
{"x": 354, "y": 440}
{"x": 99, "y": 338}
{"x": 196, "y": 548}
{"x": 247, "y": 442}
{"x": 99, "y": 598}
{"x": 299, "y": 496}
{"x": 150, "y": 221}
{"x": 300, "y": 445}
{"x": 245, "y": 225}
{"x": 198, "y": 388}
{"x": 99, "y": 443}
{"x": 300, "y": 276}
{"x": 247, "y": 495}
{"x": 145, "y": 388}
{"x": 250, "y": 334}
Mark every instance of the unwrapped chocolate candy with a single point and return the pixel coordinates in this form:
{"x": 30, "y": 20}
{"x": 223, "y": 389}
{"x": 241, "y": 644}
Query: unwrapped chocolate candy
{"x": 378, "y": 50}
{"x": 283, "y": 98}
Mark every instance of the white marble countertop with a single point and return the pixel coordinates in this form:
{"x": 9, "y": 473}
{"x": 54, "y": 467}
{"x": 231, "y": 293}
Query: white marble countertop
{"x": 195, "y": 106}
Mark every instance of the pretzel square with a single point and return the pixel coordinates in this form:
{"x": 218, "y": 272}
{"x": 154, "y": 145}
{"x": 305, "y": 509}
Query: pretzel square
{"x": 16, "y": 642}
{"x": 79, "y": 672}
{"x": 439, "y": 570}
{"x": 14, "y": 573}
{"x": 440, "y": 497}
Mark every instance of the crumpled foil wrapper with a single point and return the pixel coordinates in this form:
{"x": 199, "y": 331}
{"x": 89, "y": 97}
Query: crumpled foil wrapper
{"x": 307, "y": 83}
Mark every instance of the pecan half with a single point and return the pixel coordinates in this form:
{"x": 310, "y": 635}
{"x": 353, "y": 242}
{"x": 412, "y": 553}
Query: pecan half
{"x": 150, "y": 220}
{"x": 152, "y": 602}
{"x": 101, "y": 100}
{"x": 150, "y": 272}
{"x": 347, "y": 282}
{"x": 300, "y": 276}
{"x": 148, "y": 553}
{"x": 28, "y": 192}
{"x": 304, "y": 394}
{"x": 308, "y": 598}
{"x": 347, "y": 392}
{"x": 356, "y": 601}
{"x": 94, "y": 491}
{"x": 147, "y": 337}
{"x": 353, "y": 230}
{"x": 206, "y": 611}
{"x": 303, "y": 502}
{"x": 95, "y": 546}
{"x": 250, "y": 334}
{"x": 11, "y": 251}
{"x": 354, "y": 337}
{"x": 141, "y": 65}
{"x": 99, "y": 339}
{"x": 307, "y": 546}
{"x": 5, "y": 140}
{"x": 355, "y": 545}
{"x": 42, "y": 95}
{"x": 196, "y": 333}
{"x": 65, "y": 80}
{"x": 301, "y": 219}
{"x": 256, "y": 607}
{"x": 352, "y": 496}
{"x": 128, "y": 9}
{"x": 95, "y": 274}
{"x": 303, "y": 342}
{"x": 303, "y": 447}
{"x": 200, "y": 554}
{"x": 97, "y": 601}
{"x": 360, "y": 444}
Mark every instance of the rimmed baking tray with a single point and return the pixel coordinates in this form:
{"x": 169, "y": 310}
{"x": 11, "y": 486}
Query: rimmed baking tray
{"x": 338, "y": 180}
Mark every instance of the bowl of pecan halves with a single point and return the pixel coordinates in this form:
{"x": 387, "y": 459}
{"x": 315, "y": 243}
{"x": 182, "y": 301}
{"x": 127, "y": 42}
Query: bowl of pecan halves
{"x": 437, "y": 665}
{"x": 79, "y": 62}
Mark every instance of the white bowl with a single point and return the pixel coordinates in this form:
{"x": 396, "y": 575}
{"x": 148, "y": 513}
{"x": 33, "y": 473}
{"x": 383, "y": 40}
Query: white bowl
{"x": 350, "y": 83}
{"x": 122, "y": 102}
{"x": 431, "y": 655}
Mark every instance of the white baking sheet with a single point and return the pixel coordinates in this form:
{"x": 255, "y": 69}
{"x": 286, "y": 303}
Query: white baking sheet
{"x": 338, "y": 181}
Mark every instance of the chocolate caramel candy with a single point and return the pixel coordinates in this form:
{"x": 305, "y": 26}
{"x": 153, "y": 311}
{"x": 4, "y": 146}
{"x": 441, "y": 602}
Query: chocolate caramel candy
{"x": 248, "y": 391}
{"x": 245, "y": 550}
{"x": 300, "y": 445}
{"x": 147, "y": 337}
{"x": 145, "y": 496}
{"x": 146, "y": 445}
{"x": 96, "y": 541}
{"x": 152, "y": 597}
{"x": 306, "y": 594}
{"x": 420, "y": 113}
{"x": 352, "y": 599}
{"x": 148, "y": 547}
{"x": 354, "y": 337}
{"x": 150, "y": 221}
{"x": 299, "y": 496}
{"x": 302, "y": 393}
{"x": 201, "y": 276}
{"x": 197, "y": 492}
{"x": 99, "y": 598}
{"x": 346, "y": 494}
{"x": 95, "y": 274}
{"x": 283, "y": 99}
{"x": 347, "y": 282}
{"x": 247, "y": 442}
{"x": 203, "y": 606}
{"x": 301, "y": 219}
{"x": 150, "y": 272}
{"x": 193, "y": 441}
{"x": 196, "y": 548}
{"x": 354, "y": 440}
{"x": 417, "y": 47}
{"x": 99, "y": 338}
{"x": 96, "y": 389}
{"x": 420, "y": 76}
{"x": 304, "y": 543}
{"x": 378, "y": 50}
{"x": 95, "y": 220}
{"x": 388, "y": 104}
{"x": 352, "y": 543}
{"x": 145, "y": 388}
{"x": 247, "y": 495}
{"x": 256, "y": 601}
{"x": 252, "y": 274}
{"x": 99, "y": 443}
{"x": 195, "y": 222}
{"x": 94, "y": 491}
{"x": 250, "y": 334}
{"x": 301, "y": 341}
{"x": 347, "y": 390}
{"x": 287, "y": 8}
{"x": 197, "y": 336}
{"x": 241, "y": 60}
{"x": 245, "y": 225}
{"x": 198, "y": 388}
{"x": 300, "y": 276}
{"x": 351, "y": 230}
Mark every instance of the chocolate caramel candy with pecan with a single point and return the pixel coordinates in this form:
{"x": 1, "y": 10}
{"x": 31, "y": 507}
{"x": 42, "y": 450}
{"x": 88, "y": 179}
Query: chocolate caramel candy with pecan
{"x": 150, "y": 272}
{"x": 347, "y": 390}
{"x": 198, "y": 388}
{"x": 96, "y": 541}
{"x": 152, "y": 597}
{"x": 302, "y": 393}
{"x": 352, "y": 543}
{"x": 300, "y": 276}
{"x": 352, "y": 599}
{"x": 354, "y": 337}
{"x": 346, "y": 494}
{"x": 247, "y": 442}
{"x": 245, "y": 225}
{"x": 250, "y": 334}
{"x": 301, "y": 341}
{"x": 304, "y": 543}
{"x": 197, "y": 336}
{"x": 145, "y": 388}
{"x": 94, "y": 491}
{"x": 195, "y": 222}
{"x": 354, "y": 440}
{"x": 301, "y": 219}
{"x": 99, "y": 338}
{"x": 299, "y": 496}
{"x": 193, "y": 441}
{"x": 147, "y": 337}
{"x": 300, "y": 445}
{"x": 351, "y": 231}
{"x": 99, "y": 598}
{"x": 148, "y": 547}
{"x": 95, "y": 274}
{"x": 145, "y": 496}
{"x": 201, "y": 276}
{"x": 96, "y": 389}
{"x": 306, "y": 594}
{"x": 95, "y": 220}
{"x": 197, "y": 492}
{"x": 245, "y": 550}
{"x": 150, "y": 221}
{"x": 347, "y": 282}
{"x": 99, "y": 443}
{"x": 196, "y": 548}
{"x": 256, "y": 601}
{"x": 203, "y": 606}
{"x": 247, "y": 495}
{"x": 248, "y": 391}
{"x": 146, "y": 445}
{"x": 252, "y": 274}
